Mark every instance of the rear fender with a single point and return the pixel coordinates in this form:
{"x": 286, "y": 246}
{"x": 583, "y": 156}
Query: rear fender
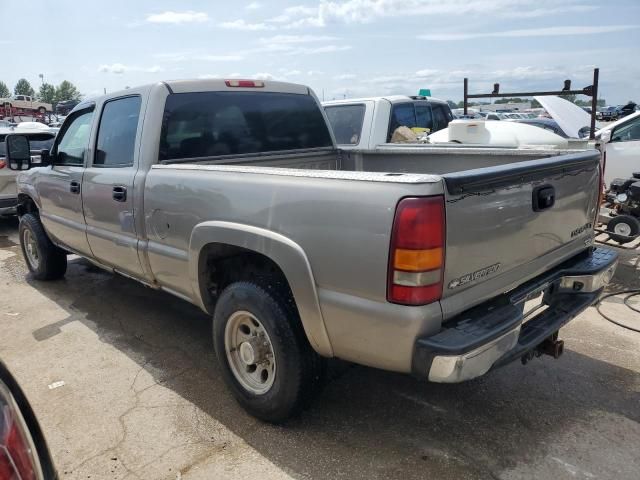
{"x": 287, "y": 254}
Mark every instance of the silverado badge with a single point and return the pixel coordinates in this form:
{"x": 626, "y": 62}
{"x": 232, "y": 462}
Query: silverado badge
{"x": 472, "y": 277}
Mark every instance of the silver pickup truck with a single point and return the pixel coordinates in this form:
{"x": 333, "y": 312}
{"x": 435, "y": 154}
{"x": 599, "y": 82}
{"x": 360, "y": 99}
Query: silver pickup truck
{"x": 231, "y": 195}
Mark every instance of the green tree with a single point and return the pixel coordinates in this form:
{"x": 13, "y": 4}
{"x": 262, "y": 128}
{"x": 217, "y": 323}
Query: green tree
{"x": 67, "y": 91}
{"x": 23, "y": 87}
{"x": 4, "y": 90}
{"x": 509, "y": 100}
{"x": 570, "y": 98}
{"x": 47, "y": 93}
{"x": 452, "y": 104}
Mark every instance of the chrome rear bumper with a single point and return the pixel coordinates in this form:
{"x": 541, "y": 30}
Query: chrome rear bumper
{"x": 496, "y": 332}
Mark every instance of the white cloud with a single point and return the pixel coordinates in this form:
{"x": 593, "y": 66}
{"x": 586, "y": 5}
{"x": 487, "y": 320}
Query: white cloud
{"x": 197, "y": 56}
{"x": 344, "y": 76}
{"x": 289, "y": 39}
{"x": 530, "y": 32}
{"x": 546, "y": 12}
{"x": 290, "y": 73}
{"x": 119, "y": 69}
{"x": 364, "y": 11}
{"x": 253, "y": 6}
{"x": 263, "y": 76}
{"x": 240, "y": 24}
{"x": 178, "y": 17}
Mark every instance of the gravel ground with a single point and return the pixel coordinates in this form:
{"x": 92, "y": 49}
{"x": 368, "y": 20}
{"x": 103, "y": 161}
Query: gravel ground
{"x": 143, "y": 398}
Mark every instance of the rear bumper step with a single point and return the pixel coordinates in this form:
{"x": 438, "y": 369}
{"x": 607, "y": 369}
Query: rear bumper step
{"x": 496, "y": 332}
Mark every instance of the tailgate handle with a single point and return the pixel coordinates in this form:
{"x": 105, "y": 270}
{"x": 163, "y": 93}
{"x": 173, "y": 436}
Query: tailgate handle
{"x": 544, "y": 197}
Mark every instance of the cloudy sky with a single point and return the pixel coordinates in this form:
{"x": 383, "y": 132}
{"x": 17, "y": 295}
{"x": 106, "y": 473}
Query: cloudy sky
{"x": 350, "y": 47}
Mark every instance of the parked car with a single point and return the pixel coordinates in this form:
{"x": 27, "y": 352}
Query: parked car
{"x": 40, "y": 139}
{"x": 621, "y": 144}
{"x": 372, "y": 121}
{"x": 24, "y": 454}
{"x": 25, "y": 102}
{"x": 232, "y": 195}
{"x": 65, "y": 106}
{"x": 546, "y": 123}
{"x": 607, "y": 114}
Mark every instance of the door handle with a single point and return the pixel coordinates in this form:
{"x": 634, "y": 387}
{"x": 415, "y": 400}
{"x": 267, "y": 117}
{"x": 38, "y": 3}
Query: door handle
{"x": 74, "y": 187}
{"x": 120, "y": 193}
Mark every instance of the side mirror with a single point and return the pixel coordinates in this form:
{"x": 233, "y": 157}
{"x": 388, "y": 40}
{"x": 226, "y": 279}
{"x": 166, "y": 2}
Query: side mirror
{"x": 605, "y": 137}
{"x": 18, "y": 152}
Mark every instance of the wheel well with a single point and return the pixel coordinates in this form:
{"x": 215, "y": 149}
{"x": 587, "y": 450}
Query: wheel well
{"x": 26, "y": 205}
{"x": 219, "y": 265}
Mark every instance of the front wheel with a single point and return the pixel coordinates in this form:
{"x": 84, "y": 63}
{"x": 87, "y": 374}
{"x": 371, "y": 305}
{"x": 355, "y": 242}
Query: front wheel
{"x": 44, "y": 260}
{"x": 623, "y": 228}
{"x": 266, "y": 359}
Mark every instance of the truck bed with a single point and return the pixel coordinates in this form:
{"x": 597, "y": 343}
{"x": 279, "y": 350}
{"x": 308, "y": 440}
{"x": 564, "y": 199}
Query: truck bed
{"x": 424, "y": 159}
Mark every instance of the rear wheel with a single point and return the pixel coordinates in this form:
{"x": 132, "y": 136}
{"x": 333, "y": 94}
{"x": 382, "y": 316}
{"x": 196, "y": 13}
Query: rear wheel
{"x": 42, "y": 110}
{"x": 623, "y": 228}
{"x": 266, "y": 359}
{"x": 44, "y": 260}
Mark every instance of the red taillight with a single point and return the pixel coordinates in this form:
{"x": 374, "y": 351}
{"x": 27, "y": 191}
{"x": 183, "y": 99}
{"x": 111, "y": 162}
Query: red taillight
{"x": 18, "y": 458}
{"x": 244, "y": 83}
{"x": 3, "y": 163}
{"x": 416, "y": 256}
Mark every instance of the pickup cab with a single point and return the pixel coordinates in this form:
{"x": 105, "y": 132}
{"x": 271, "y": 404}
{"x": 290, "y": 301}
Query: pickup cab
{"x": 26, "y": 102}
{"x": 231, "y": 195}
{"x": 366, "y": 123}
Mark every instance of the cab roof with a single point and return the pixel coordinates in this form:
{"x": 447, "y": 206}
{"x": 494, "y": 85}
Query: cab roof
{"x": 389, "y": 98}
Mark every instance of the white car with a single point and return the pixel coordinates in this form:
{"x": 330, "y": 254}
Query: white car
{"x": 622, "y": 147}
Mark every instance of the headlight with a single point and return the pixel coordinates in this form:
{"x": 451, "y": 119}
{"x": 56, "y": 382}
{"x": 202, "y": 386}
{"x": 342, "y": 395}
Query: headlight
{"x": 622, "y": 197}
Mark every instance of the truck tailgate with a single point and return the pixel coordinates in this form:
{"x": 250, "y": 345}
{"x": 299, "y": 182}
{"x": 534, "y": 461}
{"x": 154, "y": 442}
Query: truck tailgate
{"x": 508, "y": 223}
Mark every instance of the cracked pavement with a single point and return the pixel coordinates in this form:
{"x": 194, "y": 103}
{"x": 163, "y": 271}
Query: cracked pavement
{"x": 143, "y": 397}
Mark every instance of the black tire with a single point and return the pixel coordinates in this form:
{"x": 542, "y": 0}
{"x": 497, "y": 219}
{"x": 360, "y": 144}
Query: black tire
{"x": 633, "y": 228}
{"x": 51, "y": 261}
{"x": 299, "y": 369}
{"x": 42, "y": 110}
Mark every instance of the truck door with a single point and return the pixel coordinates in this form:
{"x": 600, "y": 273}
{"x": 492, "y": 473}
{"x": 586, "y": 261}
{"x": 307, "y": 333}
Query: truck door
{"x": 623, "y": 151}
{"x": 108, "y": 194}
{"x": 60, "y": 197}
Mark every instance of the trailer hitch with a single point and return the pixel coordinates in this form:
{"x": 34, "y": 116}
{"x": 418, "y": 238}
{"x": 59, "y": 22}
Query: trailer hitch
{"x": 550, "y": 346}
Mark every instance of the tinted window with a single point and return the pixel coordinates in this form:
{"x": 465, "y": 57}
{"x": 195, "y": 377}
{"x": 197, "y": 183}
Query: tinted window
{"x": 628, "y": 132}
{"x": 441, "y": 116}
{"x": 423, "y": 116}
{"x": 402, "y": 115}
{"x": 117, "y": 132}
{"x": 74, "y": 139}
{"x": 346, "y": 122}
{"x": 225, "y": 123}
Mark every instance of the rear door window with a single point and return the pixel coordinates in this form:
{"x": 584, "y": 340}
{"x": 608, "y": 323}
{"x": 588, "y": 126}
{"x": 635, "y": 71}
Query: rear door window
{"x": 207, "y": 124}
{"x": 424, "y": 119}
{"x": 402, "y": 115}
{"x": 346, "y": 122}
{"x": 441, "y": 116}
{"x": 117, "y": 132}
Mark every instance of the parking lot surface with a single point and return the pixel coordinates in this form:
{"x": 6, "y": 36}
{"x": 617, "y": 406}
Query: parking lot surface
{"x": 125, "y": 384}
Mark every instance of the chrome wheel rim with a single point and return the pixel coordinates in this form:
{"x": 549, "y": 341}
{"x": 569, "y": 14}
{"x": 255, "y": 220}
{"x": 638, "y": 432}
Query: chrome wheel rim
{"x": 31, "y": 249}
{"x": 622, "y": 229}
{"x": 249, "y": 352}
